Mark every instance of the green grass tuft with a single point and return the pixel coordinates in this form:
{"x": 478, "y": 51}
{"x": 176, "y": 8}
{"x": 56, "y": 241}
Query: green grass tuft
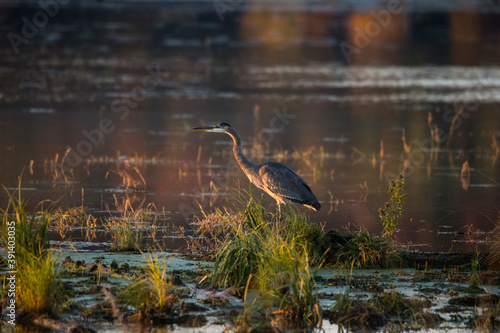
{"x": 152, "y": 293}
{"x": 278, "y": 256}
{"x": 363, "y": 249}
{"x": 246, "y": 243}
{"x": 38, "y": 291}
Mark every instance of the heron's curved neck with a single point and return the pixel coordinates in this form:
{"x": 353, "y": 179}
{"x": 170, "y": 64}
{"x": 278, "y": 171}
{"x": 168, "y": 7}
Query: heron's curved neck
{"x": 248, "y": 167}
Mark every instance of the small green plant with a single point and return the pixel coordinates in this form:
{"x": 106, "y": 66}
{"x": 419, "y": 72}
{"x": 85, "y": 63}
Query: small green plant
{"x": 393, "y": 209}
{"x": 125, "y": 236}
{"x": 476, "y": 260}
{"x": 38, "y": 291}
{"x": 475, "y": 268}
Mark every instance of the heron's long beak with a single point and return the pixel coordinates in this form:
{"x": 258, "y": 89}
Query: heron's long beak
{"x": 211, "y": 128}
{"x": 203, "y": 128}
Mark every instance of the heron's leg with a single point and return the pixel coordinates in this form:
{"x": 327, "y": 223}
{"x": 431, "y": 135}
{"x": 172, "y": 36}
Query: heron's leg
{"x": 279, "y": 210}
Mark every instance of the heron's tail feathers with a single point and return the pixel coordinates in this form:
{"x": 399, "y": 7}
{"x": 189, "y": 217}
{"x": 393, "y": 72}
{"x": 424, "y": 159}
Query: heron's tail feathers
{"x": 313, "y": 205}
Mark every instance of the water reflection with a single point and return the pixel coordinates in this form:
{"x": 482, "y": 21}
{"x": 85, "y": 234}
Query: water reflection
{"x": 281, "y": 77}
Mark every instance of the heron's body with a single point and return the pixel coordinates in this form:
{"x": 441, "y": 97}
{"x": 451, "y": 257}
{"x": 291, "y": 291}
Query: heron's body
{"x": 276, "y": 179}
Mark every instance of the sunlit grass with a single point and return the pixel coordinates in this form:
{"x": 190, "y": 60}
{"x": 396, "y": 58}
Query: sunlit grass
{"x": 211, "y": 230}
{"x": 65, "y": 220}
{"x": 125, "y": 235}
{"x": 241, "y": 252}
{"x": 131, "y": 176}
{"x": 129, "y": 229}
{"x": 57, "y": 169}
{"x": 363, "y": 249}
{"x": 152, "y": 292}
{"x": 287, "y": 282}
{"x": 278, "y": 254}
{"x": 38, "y": 291}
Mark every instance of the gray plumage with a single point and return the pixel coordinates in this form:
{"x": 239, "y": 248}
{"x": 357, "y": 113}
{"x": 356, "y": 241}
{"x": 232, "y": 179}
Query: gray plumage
{"x": 276, "y": 179}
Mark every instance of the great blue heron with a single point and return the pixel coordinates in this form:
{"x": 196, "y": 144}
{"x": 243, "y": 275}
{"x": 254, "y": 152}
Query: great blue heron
{"x": 276, "y": 179}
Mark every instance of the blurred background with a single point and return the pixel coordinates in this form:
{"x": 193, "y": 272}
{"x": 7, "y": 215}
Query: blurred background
{"x": 98, "y": 98}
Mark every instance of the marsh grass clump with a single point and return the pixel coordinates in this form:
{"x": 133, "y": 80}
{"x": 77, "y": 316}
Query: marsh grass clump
{"x": 131, "y": 177}
{"x": 125, "y": 235}
{"x": 363, "y": 249}
{"x": 379, "y": 310}
{"x": 56, "y": 168}
{"x": 289, "y": 284}
{"x": 129, "y": 229}
{"x": 65, "y": 220}
{"x": 211, "y": 230}
{"x": 487, "y": 316}
{"x": 278, "y": 255}
{"x": 352, "y": 313}
{"x": 398, "y": 305}
{"x": 38, "y": 290}
{"x": 247, "y": 243}
{"x": 152, "y": 295}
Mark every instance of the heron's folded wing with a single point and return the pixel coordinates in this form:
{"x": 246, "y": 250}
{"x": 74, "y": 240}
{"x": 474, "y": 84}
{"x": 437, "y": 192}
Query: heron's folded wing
{"x": 281, "y": 180}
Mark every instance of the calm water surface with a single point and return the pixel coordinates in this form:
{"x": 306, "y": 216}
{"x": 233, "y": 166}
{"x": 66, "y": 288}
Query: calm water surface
{"x": 326, "y": 88}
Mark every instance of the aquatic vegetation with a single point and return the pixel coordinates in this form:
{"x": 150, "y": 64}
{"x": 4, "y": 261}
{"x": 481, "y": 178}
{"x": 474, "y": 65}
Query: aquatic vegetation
{"x": 343, "y": 302}
{"x": 289, "y": 284}
{"x": 406, "y": 147}
{"x": 487, "y": 316}
{"x": 57, "y": 169}
{"x": 153, "y": 292}
{"x": 274, "y": 256}
{"x": 245, "y": 243}
{"x": 397, "y": 305}
{"x": 65, "y": 220}
{"x": 393, "y": 209}
{"x": 125, "y": 236}
{"x": 358, "y": 248}
{"x": 359, "y": 316}
{"x": 131, "y": 176}
{"x": 362, "y": 249}
{"x": 38, "y": 291}
{"x": 493, "y": 259}
{"x": 128, "y": 230}
{"x": 211, "y": 230}
{"x": 382, "y": 308}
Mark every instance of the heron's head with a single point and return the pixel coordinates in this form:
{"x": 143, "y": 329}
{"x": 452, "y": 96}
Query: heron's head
{"x": 219, "y": 128}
